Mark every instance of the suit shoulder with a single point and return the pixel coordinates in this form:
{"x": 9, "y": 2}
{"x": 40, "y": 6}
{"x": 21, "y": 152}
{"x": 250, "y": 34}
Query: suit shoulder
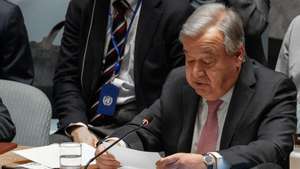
{"x": 79, "y": 4}
{"x": 268, "y": 76}
{"x": 8, "y": 12}
{"x": 295, "y": 22}
{"x": 180, "y": 9}
{"x": 6, "y": 5}
{"x": 296, "y": 19}
{"x": 179, "y": 5}
{"x": 174, "y": 83}
{"x": 7, "y": 8}
{"x": 177, "y": 75}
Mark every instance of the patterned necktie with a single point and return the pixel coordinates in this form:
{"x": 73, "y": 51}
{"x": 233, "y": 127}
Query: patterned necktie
{"x": 119, "y": 28}
{"x": 118, "y": 32}
{"x": 208, "y": 139}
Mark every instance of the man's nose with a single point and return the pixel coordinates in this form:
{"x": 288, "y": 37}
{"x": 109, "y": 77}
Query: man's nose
{"x": 198, "y": 70}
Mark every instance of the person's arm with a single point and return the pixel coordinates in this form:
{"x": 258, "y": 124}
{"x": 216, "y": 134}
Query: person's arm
{"x": 254, "y": 14}
{"x": 68, "y": 101}
{"x": 282, "y": 64}
{"x": 287, "y": 56}
{"x": 7, "y": 128}
{"x": 69, "y": 104}
{"x": 16, "y": 60}
{"x": 274, "y": 134}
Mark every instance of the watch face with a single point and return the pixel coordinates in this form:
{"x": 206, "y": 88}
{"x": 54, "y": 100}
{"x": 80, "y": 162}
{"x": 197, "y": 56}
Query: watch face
{"x": 208, "y": 160}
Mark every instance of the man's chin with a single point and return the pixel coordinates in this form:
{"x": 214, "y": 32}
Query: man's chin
{"x": 202, "y": 92}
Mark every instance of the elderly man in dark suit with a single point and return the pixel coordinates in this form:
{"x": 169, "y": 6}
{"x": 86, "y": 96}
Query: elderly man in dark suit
{"x": 122, "y": 50}
{"x": 222, "y": 109}
{"x": 7, "y": 129}
{"x": 15, "y": 56}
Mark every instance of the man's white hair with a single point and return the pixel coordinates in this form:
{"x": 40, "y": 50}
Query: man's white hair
{"x": 217, "y": 15}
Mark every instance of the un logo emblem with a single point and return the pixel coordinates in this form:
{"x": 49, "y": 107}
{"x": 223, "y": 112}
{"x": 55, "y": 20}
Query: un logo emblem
{"x": 107, "y": 100}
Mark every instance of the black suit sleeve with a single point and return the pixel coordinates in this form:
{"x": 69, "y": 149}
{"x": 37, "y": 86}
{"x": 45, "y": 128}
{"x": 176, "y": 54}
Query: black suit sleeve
{"x": 147, "y": 138}
{"x": 150, "y": 138}
{"x": 16, "y": 60}
{"x": 274, "y": 135}
{"x": 69, "y": 104}
{"x": 7, "y": 129}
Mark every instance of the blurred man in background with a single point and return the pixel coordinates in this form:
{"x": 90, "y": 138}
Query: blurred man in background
{"x": 15, "y": 56}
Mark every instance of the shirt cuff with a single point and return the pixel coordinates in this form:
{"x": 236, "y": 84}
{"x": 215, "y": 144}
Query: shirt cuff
{"x": 121, "y": 143}
{"x": 220, "y": 162}
{"x": 67, "y": 130}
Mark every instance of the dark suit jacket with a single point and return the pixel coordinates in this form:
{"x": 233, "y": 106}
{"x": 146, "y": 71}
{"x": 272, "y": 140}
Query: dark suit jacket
{"x": 7, "y": 129}
{"x": 254, "y": 14}
{"x": 258, "y": 128}
{"x": 15, "y": 56}
{"x": 157, "y": 51}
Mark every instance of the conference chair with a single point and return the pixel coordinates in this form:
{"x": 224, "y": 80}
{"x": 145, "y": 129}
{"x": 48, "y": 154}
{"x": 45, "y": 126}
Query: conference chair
{"x": 30, "y": 111}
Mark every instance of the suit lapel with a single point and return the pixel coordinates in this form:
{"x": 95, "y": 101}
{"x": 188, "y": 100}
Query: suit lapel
{"x": 95, "y": 50}
{"x": 151, "y": 11}
{"x": 240, "y": 99}
{"x": 190, "y": 102}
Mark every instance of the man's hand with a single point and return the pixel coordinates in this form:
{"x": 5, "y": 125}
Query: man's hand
{"x": 106, "y": 160}
{"x": 181, "y": 161}
{"x": 83, "y": 135}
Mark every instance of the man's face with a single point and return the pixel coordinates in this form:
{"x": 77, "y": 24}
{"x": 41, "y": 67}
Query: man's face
{"x": 209, "y": 69}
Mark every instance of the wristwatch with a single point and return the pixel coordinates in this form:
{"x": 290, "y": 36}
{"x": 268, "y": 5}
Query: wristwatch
{"x": 209, "y": 160}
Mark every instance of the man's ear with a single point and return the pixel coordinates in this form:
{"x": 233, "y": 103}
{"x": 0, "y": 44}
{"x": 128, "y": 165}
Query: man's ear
{"x": 240, "y": 54}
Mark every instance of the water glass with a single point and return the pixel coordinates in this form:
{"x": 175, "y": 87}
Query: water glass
{"x": 70, "y": 155}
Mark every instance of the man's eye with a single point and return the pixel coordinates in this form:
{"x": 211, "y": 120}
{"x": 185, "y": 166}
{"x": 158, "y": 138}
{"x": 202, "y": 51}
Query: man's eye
{"x": 208, "y": 62}
{"x": 190, "y": 61}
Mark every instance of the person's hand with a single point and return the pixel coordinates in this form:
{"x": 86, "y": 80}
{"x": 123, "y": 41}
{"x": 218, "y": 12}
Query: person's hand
{"x": 106, "y": 160}
{"x": 83, "y": 135}
{"x": 181, "y": 161}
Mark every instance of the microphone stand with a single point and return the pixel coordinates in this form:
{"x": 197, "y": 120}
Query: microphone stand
{"x": 145, "y": 123}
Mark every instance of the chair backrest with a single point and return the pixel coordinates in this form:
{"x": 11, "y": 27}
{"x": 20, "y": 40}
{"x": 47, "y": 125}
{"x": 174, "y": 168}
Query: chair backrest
{"x": 30, "y": 111}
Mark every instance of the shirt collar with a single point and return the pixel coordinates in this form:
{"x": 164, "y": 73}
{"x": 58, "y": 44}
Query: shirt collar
{"x": 227, "y": 97}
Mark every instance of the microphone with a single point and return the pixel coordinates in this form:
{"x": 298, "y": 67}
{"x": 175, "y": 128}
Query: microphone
{"x": 145, "y": 122}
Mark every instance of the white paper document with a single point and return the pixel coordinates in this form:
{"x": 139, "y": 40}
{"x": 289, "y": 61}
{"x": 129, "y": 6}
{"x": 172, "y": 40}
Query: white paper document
{"x": 133, "y": 159}
{"x": 48, "y": 156}
{"x": 34, "y": 165}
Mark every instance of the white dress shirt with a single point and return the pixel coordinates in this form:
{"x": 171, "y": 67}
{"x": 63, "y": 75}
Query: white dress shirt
{"x": 202, "y": 116}
{"x": 201, "y": 120}
{"x": 125, "y": 81}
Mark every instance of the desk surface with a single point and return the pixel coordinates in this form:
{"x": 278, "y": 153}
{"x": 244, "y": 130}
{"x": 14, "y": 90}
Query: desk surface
{"x": 11, "y": 159}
